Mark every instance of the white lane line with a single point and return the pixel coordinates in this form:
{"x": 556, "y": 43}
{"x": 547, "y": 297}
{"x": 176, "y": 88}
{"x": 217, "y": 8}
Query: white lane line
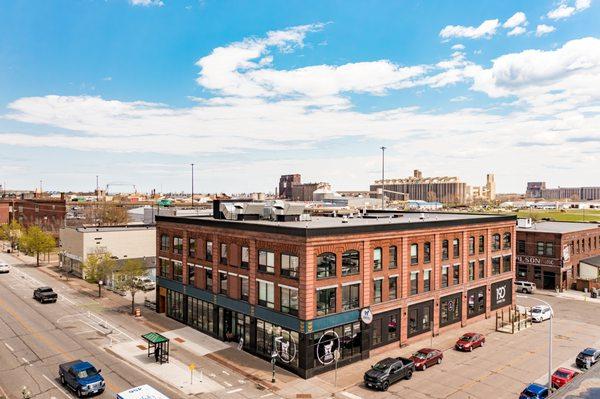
{"x": 267, "y": 395}
{"x": 225, "y": 372}
{"x": 56, "y": 386}
{"x": 228, "y": 384}
{"x": 84, "y": 332}
{"x": 350, "y": 395}
{"x": 66, "y": 299}
{"x": 234, "y": 390}
{"x": 25, "y": 360}
{"x": 10, "y": 348}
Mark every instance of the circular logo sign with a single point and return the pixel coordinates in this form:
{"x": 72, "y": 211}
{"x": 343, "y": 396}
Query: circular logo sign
{"x": 451, "y": 306}
{"x": 286, "y": 347}
{"x": 326, "y": 347}
{"x": 366, "y": 315}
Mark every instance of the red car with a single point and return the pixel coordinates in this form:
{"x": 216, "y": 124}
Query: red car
{"x": 427, "y": 357}
{"x": 470, "y": 341}
{"x": 562, "y": 376}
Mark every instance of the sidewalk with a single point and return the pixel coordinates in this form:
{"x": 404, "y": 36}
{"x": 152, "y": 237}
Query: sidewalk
{"x": 570, "y": 294}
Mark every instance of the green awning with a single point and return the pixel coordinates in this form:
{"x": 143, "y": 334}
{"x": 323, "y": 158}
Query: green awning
{"x": 155, "y": 338}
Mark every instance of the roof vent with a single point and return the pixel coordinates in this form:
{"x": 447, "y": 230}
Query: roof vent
{"x": 345, "y": 219}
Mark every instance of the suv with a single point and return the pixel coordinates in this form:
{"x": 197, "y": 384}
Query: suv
{"x": 587, "y": 358}
{"x": 81, "y": 377}
{"x": 388, "y": 371}
{"x": 541, "y": 313}
{"x": 525, "y": 287}
{"x": 44, "y": 294}
{"x": 145, "y": 283}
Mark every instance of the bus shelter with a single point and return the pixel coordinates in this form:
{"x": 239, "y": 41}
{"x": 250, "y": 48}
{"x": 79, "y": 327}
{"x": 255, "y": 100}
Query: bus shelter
{"x": 158, "y": 346}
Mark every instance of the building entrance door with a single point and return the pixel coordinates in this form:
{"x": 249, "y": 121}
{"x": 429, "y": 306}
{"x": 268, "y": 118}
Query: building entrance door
{"x": 549, "y": 280}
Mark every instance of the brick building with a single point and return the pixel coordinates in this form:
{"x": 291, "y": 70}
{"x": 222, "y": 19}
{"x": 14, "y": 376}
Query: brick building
{"x": 305, "y": 288}
{"x": 548, "y": 253}
{"x": 286, "y": 182}
{"x": 47, "y": 213}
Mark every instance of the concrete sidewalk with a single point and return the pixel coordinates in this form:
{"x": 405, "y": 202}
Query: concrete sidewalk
{"x": 570, "y": 294}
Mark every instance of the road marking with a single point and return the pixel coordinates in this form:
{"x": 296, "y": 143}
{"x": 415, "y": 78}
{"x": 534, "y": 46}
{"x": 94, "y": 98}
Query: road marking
{"x": 350, "y": 395}
{"x": 228, "y": 384}
{"x": 56, "y": 386}
{"x": 225, "y": 372}
{"x": 242, "y": 381}
{"x": 267, "y": 395}
{"x": 10, "y": 348}
{"x": 234, "y": 390}
{"x": 25, "y": 360}
{"x": 62, "y": 296}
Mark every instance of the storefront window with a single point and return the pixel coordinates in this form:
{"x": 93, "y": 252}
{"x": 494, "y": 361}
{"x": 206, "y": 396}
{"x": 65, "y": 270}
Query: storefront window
{"x": 376, "y": 332}
{"x": 326, "y": 265}
{"x": 350, "y": 263}
{"x": 175, "y": 305}
{"x": 346, "y": 337}
{"x": 522, "y": 272}
{"x": 450, "y": 309}
{"x": 392, "y": 327}
{"x": 350, "y": 296}
{"x": 476, "y": 301}
{"x": 325, "y": 301}
{"x": 350, "y": 340}
{"x": 419, "y": 318}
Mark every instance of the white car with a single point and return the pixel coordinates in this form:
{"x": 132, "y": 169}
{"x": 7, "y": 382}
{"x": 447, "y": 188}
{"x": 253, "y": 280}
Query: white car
{"x": 541, "y": 313}
{"x": 145, "y": 283}
{"x": 4, "y": 267}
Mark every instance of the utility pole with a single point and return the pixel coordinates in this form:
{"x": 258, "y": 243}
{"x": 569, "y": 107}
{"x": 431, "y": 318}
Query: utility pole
{"x": 192, "y": 185}
{"x": 383, "y": 177}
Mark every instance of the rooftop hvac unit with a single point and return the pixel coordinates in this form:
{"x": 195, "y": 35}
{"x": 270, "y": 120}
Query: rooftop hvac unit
{"x": 231, "y": 210}
{"x": 525, "y": 223}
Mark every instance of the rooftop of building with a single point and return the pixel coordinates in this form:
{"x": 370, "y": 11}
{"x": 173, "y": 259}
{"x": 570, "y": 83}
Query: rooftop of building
{"x": 559, "y": 227}
{"x": 594, "y": 261}
{"x": 104, "y": 229}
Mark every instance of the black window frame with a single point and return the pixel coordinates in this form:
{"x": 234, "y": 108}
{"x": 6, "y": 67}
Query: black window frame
{"x": 331, "y": 298}
{"x": 326, "y": 265}
{"x": 378, "y": 290}
{"x": 286, "y": 268}
{"x": 285, "y": 296}
{"x": 244, "y": 254}
{"x": 445, "y": 250}
{"x": 351, "y": 262}
{"x": 392, "y": 287}
{"x": 223, "y": 251}
{"x": 350, "y": 296}
{"x": 265, "y": 267}
{"x": 426, "y": 252}
{"x": 414, "y": 258}
{"x": 393, "y": 257}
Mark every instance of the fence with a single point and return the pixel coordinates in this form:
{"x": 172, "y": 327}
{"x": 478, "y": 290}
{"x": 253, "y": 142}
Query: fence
{"x": 513, "y": 319}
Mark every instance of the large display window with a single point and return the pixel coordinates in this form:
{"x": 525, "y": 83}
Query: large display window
{"x": 476, "y": 301}
{"x": 420, "y": 318}
{"x": 450, "y": 309}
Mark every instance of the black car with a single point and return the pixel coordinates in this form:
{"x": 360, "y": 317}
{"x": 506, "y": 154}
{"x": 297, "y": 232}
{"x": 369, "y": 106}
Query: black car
{"x": 587, "y": 358}
{"x": 388, "y": 371}
{"x": 44, "y": 294}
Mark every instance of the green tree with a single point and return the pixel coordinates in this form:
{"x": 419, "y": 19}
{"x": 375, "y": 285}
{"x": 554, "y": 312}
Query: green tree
{"x": 98, "y": 266}
{"x": 127, "y": 278}
{"x": 11, "y": 232}
{"x": 36, "y": 241}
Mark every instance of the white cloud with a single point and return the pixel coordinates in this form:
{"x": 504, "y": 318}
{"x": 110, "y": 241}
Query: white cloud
{"x": 458, "y": 47}
{"x": 487, "y": 29}
{"x": 542, "y": 30}
{"x": 147, "y": 3}
{"x": 564, "y": 10}
{"x": 459, "y": 99}
{"x": 517, "y": 31}
{"x": 517, "y": 19}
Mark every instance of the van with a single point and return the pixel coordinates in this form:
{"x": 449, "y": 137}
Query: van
{"x": 525, "y": 287}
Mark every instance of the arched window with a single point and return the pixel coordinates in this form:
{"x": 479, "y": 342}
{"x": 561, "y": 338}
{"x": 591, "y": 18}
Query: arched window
{"x": 444, "y": 249}
{"x": 326, "y": 265}
{"x": 496, "y": 242}
{"x": 350, "y": 262}
{"x": 377, "y": 259}
{"x": 506, "y": 240}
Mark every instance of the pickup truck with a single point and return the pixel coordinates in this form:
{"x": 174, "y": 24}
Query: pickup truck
{"x": 388, "y": 371}
{"x": 44, "y": 294}
{"x": 81, "y": 377}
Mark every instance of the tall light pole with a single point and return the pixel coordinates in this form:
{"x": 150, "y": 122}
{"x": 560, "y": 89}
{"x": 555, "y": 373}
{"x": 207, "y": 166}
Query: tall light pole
{"x": 382, "y": 177}
{"x": 549, "y": 338}
{"x": 192, "y": 184}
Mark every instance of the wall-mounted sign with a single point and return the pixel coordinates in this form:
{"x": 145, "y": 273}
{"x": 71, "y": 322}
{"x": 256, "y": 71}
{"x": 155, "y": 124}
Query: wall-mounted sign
{"x": 566, "y": 253}
{"x": 366, "y": 315}
{"x": 501, "y": 294}
{"x": 286, "y": 347}
{"x": 537, "y": 260}
{"x": 327, "y": 345}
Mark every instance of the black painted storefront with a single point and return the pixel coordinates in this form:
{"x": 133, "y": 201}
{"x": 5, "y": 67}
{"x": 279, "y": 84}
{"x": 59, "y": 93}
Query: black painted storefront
{"x": 385, "y": 328}
{"x": 450, "y": 309}
{"x": 420, "y": 318}
{"x": 501, "y": 294}
{"x": 476, "y": 300}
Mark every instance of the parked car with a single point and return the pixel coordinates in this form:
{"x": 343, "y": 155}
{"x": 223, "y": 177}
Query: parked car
{"x": 145, "y": 283}
{"x": 540, "y": 313}
{"x": 81, "y": 377}
{"x": 427, "y": 357}
{"x": 388, "y": 371}
{"x": 44, "y": 294}
{"x": 4, "y": 267}
{"x": 470, "y": 341}
{"x": 587, "y": 358}
{"x": 562, "y": 376}
{"x": 534, "y": 391}
{"x": 525, "y": 287}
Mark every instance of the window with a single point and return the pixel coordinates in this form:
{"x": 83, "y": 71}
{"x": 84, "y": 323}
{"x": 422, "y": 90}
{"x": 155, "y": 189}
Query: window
{"x": 209, "y": 249}
{"x": 164, "y": 242}
{"x": 192, "y": 247}
{"x": 476, "y": 301}
{"x": 289, "y": 266}
{"x": 506, "y": 264}
{"x": 419, "y": 318}
{"x": 445, "y": 250}
{"x": 496, "y": 242}
{"x": 506, "y": 243}
{"x": 537, "y": 272}
{"x": 350, "y": 296}
{"x": 325, "y": 301}
{"x": 208, "y": 281}
{"x": 245, "y": 257}
{"x": 266, "y": 262}
{"x": 164, "y": 268}
{"x": 471, "y": 245}
{"x": 392, "y": 327}
{"x": 427, "y": 252}
{"x": 223, "y": 254}
{"x": 350, "y": 263}
{"x": 427, "y": 281}
{"x": 326, "y": 265}
{"x": 521, "y": 247}
{"x": 414, "y": 254}
{"x": 472, "y": 270}
{"x": 393, "y": 288}
{"x": 456, "y": 248}
{"x": 178, "y": 245}
{"x": 244, "y": 289}
{"x": 377, "y": 259}
{"x": 414, "y": 283}
{"x": 445, "y": 276}
{"x": 377, "y": 288}
{"x": 522, "y": 272}
{"x": 481, "y": 244}
{"x": 223, "y": 283}
{"x": 450, "y": 311}
{"x": 540, "y": 248}
{"x": 456, "y": 274}
{"x": 495, "y": 266}
{"x": 191, "y": 273}
{"x": 266, "y": 294}
{"x": 289, "y": 300}
{"x": 549, "y": 251}
{"x": 177, "y": 271}
{"x": 481, "y": 268}
{"x": 393, "y": 261}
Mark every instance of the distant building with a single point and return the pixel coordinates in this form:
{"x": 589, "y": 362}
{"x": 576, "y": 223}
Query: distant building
{"x": 286, "y": 182}
{"x": 487, "y": 192}
{"x": 46, "y": 213}
{"x": 534, "y": 189}
{"x": 539, "y": 190}
{"x": 304, "y": 192}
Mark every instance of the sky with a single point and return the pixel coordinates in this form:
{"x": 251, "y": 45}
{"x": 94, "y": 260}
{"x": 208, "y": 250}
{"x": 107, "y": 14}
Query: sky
{"x": 134, "y": 91}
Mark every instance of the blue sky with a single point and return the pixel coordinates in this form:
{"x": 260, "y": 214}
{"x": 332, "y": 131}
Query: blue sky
{"x": 135, "y": 90}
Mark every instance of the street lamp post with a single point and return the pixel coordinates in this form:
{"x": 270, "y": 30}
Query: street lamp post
{"x": 192, "y": 184}
{"x": 549, "y": 338}
{"x": 382, "y": 177}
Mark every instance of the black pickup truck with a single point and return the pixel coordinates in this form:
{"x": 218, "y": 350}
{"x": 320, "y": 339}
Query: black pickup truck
{"x": 44, "y": 294}
{"x": 388, "y": 371}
